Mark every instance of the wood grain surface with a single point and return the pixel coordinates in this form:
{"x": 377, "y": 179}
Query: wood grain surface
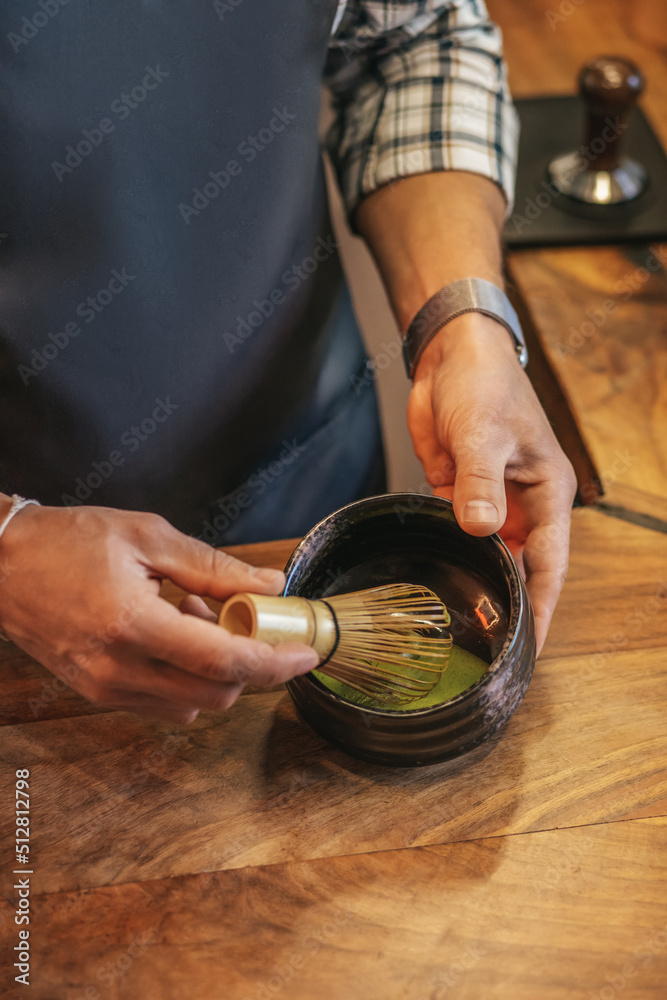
{"x": 602, "y": 318}
{"x": 559, "y": 915}
{"x": 257, "y": 787}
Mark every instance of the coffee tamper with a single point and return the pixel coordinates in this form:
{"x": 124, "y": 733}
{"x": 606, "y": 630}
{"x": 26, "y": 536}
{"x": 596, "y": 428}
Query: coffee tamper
{"x": 597, "y": 173}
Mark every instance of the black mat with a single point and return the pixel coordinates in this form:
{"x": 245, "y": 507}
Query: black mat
{"x": 542, "y": 217}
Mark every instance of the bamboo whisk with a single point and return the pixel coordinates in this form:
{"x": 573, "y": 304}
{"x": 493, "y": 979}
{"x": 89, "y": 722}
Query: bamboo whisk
{"x": 390, "y": 643}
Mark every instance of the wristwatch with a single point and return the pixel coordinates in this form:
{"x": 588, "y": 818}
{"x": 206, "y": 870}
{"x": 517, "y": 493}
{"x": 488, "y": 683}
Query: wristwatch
{"x": 466, "y": 295}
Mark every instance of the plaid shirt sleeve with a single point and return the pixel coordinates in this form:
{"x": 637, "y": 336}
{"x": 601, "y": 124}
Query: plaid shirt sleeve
{"x": 418, "y": 86}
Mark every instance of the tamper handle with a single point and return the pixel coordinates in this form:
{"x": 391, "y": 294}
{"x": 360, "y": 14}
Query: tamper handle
{"x": 609, "y": 86}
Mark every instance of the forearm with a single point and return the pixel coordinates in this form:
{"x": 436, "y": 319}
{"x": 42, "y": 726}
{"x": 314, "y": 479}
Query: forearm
{"x": 430, "y": 229}
{"x": 475, "y": 421}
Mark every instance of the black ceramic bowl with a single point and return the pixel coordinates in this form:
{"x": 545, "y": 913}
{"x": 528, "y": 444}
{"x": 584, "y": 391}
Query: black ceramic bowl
{"x": 410, "y": 538}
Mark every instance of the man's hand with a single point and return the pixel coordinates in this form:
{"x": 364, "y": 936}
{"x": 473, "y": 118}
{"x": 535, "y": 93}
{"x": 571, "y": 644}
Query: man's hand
{"x": 475, "y": 421}
{"x": 485, "y": 442}
{"x": 79, "y": 593}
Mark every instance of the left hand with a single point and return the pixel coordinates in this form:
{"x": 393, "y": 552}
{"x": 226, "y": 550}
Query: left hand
{"x": 485, "y": 443}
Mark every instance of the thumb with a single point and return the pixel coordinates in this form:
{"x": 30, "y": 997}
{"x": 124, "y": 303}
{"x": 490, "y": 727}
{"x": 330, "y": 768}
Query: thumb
{"x": 479, "y": 498}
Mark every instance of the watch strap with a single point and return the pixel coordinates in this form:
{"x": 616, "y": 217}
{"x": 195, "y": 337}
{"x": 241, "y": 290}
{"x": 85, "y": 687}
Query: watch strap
{"x": 466, "y": 295}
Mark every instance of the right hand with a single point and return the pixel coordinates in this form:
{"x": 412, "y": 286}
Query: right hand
{"x": 80, "y": 593}
{"x": 486, "y": 444}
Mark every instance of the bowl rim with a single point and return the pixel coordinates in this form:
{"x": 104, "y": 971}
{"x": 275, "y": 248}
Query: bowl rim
{"x": 516, "y": 616}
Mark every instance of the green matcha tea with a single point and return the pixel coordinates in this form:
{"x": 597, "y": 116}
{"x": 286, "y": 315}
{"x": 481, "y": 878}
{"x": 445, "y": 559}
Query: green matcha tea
{"x": 463, "y": 670}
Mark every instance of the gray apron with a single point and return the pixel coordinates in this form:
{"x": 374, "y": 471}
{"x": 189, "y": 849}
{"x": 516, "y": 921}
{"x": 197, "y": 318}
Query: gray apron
{"x": 174, "y": 331}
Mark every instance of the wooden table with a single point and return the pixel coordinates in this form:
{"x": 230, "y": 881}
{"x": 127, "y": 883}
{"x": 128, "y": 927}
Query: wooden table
{"x": 243, "y": 857}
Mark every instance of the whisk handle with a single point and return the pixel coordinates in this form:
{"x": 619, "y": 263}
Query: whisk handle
{"x": 281, "y": 619}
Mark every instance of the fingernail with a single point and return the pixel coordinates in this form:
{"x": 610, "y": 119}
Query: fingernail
{"x": 275, "y": 577}
{"x": 480, "y": 512}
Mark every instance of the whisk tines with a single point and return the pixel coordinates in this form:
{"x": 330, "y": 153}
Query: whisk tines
{"x": 394, "y": 642}
{"x": 390, "y": 643}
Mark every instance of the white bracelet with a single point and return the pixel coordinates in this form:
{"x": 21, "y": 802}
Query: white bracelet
{"x": 18, "y": 503}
